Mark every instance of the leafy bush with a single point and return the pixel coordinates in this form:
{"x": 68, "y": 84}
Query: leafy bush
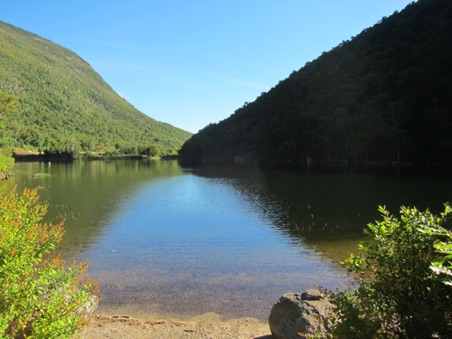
{"x": 6, "y": 160}
{"x": 40, "y": 296}
{"x": 399, "y": 294}
{"x": 442, "y": 265}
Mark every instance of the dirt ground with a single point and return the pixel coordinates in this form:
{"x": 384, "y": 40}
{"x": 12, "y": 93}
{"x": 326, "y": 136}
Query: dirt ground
{"x": 208, "y": 325}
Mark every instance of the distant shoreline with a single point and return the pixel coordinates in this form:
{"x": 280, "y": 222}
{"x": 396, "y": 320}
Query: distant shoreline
{"x": 39, "y": 157}
{"x": 36, "y": 156}
{"x": 329, "y": 166}
{"x": 370, "y": 167}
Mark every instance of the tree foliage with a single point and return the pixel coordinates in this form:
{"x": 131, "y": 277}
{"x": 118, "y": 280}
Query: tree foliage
{"x": 65, "y": 105}
{"x": 8, "y": 108}
{"x": 8, "y": 104}
{"x": 398, "y": 294}
{"x": 383, "y": 96}
{"x": 40, "y": 296}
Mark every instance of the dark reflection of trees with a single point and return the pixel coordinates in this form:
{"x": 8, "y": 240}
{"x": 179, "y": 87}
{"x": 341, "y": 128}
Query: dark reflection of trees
{"x": 325, "y": 210}
{"x": 89, "y": 193}
{"x": 329, "y": 210}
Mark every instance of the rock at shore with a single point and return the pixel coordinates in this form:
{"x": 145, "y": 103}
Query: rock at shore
{"x": 4, "y": 175}
{"x": 87, "y": 310}
{"x": 298, "y": 315}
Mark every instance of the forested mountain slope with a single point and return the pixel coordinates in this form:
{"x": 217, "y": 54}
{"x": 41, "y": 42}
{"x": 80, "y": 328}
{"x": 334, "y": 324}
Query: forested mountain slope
{"x": 384, "y": 96}
{"x": 66, "y": 106}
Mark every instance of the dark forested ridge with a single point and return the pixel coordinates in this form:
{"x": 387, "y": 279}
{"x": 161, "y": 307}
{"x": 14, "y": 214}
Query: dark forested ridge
{"x": 65, "y": 106}
{"x": 384, "y": 96}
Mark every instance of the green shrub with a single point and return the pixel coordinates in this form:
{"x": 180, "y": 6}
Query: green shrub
{"x": 40, "y": 295}
{"x": 442, "y": 264}
{"x": 398, "y": 293}
{"x": 6, "y": 160}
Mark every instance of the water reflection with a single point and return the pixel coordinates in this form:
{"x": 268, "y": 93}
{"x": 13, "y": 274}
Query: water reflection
{"x": 330, "y": 210}
{"x": 193, "y": 245}
{"x": 164, "y": 240}
{"x": 88, "y": 194}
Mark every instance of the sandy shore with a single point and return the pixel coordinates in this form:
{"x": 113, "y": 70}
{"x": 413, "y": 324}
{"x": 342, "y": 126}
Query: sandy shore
{"x": 208, "y": 325}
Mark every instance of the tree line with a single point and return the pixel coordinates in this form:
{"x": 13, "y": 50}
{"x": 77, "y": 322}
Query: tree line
{"x": 383, "y": 96}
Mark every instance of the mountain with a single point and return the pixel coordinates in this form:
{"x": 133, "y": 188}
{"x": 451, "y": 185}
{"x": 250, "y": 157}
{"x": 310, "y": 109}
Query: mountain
{"x": 65, "y": 106}
{"x": 383, "y": 96}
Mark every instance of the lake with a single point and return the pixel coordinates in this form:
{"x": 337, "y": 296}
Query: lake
{"x": 180, "y": 242}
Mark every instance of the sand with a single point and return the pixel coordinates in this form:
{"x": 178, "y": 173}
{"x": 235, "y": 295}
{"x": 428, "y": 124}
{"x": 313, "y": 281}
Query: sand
{"x": 209, "y": 325}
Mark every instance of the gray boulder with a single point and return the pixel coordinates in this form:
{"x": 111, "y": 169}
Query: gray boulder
{"x": 298, "y": 315}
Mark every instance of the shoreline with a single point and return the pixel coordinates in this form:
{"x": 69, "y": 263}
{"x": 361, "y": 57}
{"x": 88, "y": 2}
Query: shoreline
{"x": 207, "y": 325}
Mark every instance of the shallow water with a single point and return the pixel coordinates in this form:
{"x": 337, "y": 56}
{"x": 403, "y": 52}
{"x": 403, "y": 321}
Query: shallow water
{"x": 178, "y": 242}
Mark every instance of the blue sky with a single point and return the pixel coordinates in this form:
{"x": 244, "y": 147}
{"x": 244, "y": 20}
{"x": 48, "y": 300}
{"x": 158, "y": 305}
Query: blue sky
{"x": 194, "y": 62}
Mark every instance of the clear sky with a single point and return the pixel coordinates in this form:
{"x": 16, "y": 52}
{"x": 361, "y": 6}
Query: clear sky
{"x": 194, "y": 62}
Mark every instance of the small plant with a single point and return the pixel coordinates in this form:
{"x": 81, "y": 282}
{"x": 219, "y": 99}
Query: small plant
{"x": 398, "y": 293}
{"x": 40, "y": 296}
{"x": 6, "y": 160}
{"x": 442, "y": 264}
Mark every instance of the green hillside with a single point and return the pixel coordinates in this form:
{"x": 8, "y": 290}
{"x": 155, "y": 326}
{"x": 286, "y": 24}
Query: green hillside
{"x": 65, "y": 106}
{"x": 384, "y": 96}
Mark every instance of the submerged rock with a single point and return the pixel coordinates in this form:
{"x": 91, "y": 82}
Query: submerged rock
{"x": 298, "y": 315}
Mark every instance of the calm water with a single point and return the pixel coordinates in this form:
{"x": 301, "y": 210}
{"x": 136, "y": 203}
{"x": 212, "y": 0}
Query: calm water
{"x": 170, "y": 241}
